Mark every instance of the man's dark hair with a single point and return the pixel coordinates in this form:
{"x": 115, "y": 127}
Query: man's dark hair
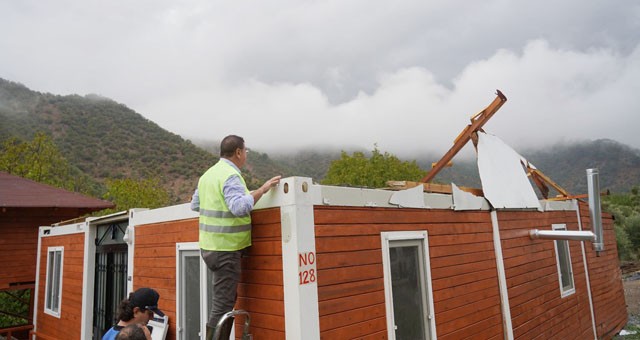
{"x": 229, "y": 145}
{"x": 132, "y": 332}
{"x": 125, "y": 310}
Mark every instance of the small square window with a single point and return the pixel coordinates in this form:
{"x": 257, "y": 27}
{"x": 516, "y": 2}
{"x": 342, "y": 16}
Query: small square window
{"x": 53, "y": 292}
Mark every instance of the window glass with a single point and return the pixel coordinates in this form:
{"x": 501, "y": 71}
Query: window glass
{"x": 195, "y": 291}
{"x": 50, "y": 266}
{"x": 57, "y": 278}
{"x": 192, "y": 297}
{"x": 407, "y": 289}
{"x": 54, "y": 281}
{"x": 565, "y": 272}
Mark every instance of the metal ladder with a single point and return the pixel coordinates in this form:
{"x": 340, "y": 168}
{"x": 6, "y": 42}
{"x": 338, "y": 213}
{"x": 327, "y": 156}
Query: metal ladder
{"x": 223, "y": 329}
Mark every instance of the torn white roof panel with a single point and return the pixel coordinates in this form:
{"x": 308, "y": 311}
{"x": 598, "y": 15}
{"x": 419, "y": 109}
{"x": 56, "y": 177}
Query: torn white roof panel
{"x": 409, "y": 198}
{"x": 463, "y": 200}
{"x": 504, "y": 181}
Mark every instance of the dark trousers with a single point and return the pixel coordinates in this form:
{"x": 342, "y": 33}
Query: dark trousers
{"x": 225, "y": 266}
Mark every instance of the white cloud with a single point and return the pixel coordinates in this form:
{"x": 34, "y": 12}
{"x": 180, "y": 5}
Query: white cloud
{"x": 405, "y": 74}
{"x": 554, "y": 95}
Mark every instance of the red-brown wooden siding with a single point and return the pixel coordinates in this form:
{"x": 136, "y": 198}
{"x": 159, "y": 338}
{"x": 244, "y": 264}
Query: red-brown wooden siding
{"x": 260, "y": 291}
{"x": 69, "y": 323}
{"x": 19, "y": 241}
{"x": 350, "y": 274}
{"x": 537, "y": 308}
{"x": 606, "y": 279}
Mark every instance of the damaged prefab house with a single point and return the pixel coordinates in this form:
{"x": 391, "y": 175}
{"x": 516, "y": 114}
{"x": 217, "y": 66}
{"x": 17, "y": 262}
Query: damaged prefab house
{"x": 344, "y": 263}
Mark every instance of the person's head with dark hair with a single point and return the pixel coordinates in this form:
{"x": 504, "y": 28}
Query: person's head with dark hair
{"x": 139, "y": 306}
{"x": 230, "y": 144}
{"x": 232, "y": 148}
{"x": 125, "y": 310}
{"x": 136, "y": 331}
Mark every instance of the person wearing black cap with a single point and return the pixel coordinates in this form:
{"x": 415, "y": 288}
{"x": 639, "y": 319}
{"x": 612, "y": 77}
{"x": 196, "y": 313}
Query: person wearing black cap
{"x": 139, "y": 307}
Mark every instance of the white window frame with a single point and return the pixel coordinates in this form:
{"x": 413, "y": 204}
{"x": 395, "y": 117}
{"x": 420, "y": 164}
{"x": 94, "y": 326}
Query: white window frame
{"x": 50, "y": 273}
{"x": 205, "y": 282}
{"x": 387, "y": 238}
{"x": 563, "y": 292}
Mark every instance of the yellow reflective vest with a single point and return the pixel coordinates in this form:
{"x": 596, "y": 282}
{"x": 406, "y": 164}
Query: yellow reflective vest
{"x": 220, "y": 230}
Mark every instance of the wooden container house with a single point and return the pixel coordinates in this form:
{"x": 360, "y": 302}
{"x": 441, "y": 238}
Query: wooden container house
{"x": 344, "y": 263}
{"x": 350, "y": 263}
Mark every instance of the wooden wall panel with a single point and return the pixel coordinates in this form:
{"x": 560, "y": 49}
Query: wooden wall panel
{"x": 260, "y": 291}
{"x": 537, "y": 308}
{"x": 350, "y": 274}
{"x": 18, "y": 249}
{"x": 606, "y": 279}
{"x": 67, "y": 326}
{"x": 19, "y": 241}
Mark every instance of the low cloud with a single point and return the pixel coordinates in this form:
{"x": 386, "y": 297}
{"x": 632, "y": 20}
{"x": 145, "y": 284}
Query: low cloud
{"x": 554, "y": 95}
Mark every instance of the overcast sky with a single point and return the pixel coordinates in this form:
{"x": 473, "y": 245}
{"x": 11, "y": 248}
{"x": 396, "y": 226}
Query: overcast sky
{"x": 406, "y": 75}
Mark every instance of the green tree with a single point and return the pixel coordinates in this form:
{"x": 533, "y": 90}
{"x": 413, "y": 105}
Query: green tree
{"x": 626, "y": 210}
{"x": 130, "y": 193}
{"x": 373, "y": 172}
{"x": 40, "y": 160}
{"x": 14, "y": 307}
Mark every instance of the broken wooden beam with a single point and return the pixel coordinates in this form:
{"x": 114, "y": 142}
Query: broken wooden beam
{"x": 431, "y": 187}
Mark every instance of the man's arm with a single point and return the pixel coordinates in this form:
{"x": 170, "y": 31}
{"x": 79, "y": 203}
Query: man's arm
{"x": 257, "y": 194}
{"x": 240, "y": 203}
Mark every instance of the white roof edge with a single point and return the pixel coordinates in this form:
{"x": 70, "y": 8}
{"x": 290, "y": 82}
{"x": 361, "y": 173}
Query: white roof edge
{"x": 324, "y": 195}
{"x": 169, "y": 213}
{"x": 105, "y": 217}
{"x": 567, "y": 205}
{"x": 75, "y": 228}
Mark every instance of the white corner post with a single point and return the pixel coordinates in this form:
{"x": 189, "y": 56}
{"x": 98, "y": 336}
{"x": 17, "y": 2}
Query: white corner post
{"x": 299, "y": 270}
{"x": 502, "y": 279}
{"x": 88, "y": 280}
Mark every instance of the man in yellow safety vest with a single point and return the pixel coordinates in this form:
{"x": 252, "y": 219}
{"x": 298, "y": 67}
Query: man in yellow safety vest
{"x": 225, "y": 205}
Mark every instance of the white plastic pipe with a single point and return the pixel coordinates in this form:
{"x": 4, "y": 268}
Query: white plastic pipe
{"x": 593, "y": 187}
{"x": 562, "y": 235}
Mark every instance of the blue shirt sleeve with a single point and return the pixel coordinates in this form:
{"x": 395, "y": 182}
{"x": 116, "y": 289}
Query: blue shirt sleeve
{"x": 195, "y": 201}
{"x": 110, "y": 334}
{"x": 239, "y": 203}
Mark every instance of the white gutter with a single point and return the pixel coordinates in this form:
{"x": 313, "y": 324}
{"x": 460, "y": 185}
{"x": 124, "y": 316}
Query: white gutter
{"x": 41, "y": 231}
{"x": 502, "y": 279}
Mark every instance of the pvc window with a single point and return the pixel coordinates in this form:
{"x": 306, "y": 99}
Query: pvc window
{"x": 407, "y": 285}
{"x": 563, "y": 260}
{"x": 194, "y": 289}
{"x": 53, "y": 291}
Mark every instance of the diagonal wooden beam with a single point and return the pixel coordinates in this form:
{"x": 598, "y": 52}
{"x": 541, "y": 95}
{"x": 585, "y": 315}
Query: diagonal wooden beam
{"x": 477, "y": 121}
{"x": 535, "y": 173}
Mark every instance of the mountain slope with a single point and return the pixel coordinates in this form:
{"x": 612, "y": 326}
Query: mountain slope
{"x": 103, "y": 138}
